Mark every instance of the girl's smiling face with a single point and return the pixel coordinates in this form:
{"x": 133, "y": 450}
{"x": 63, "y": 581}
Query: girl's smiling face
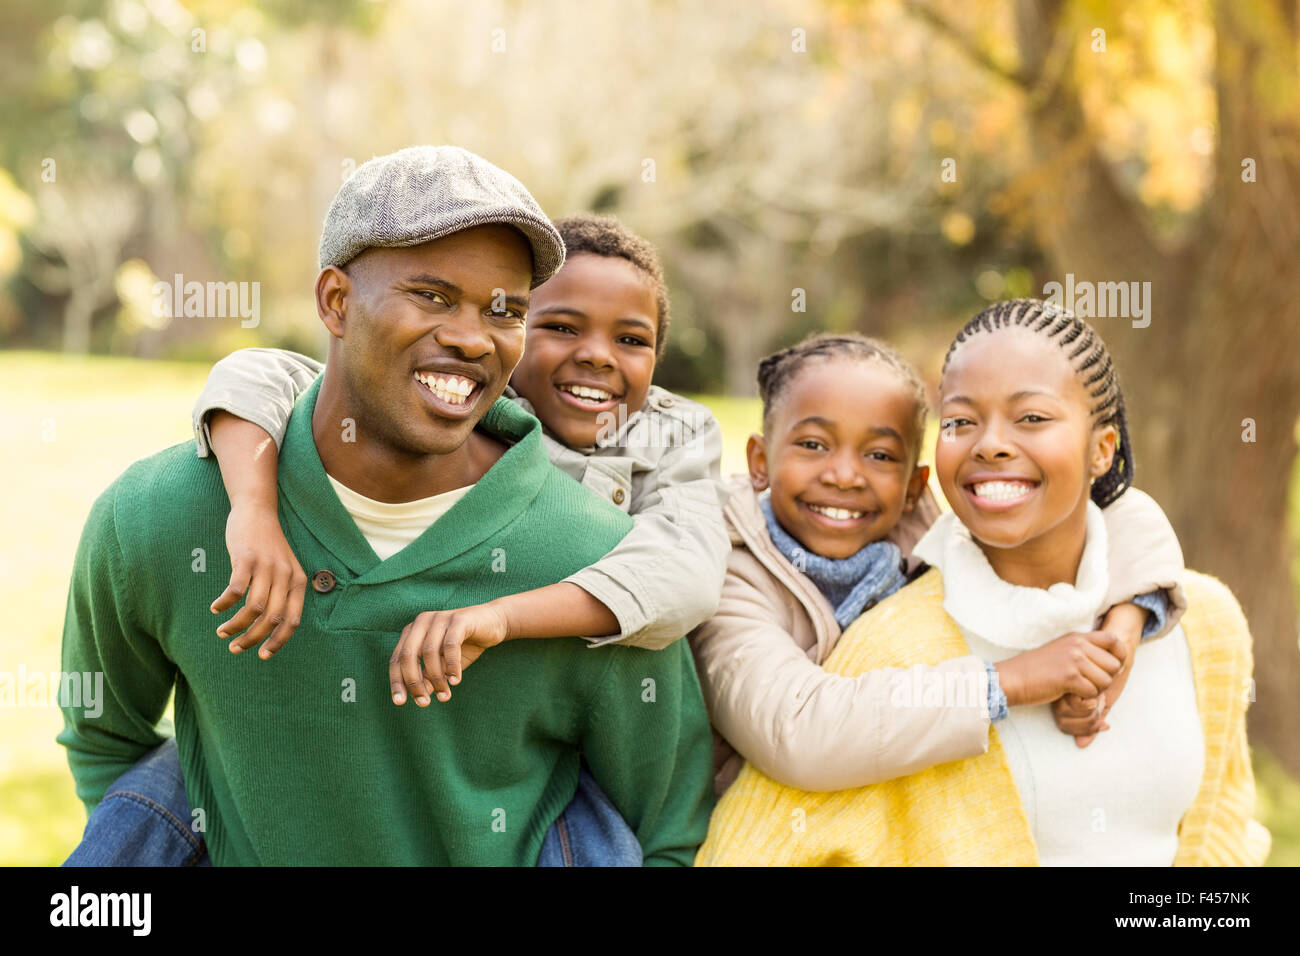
{"x": 837, "y": 452}
{"x": 1018, "y": 450}
{"x": 590, "y": 347}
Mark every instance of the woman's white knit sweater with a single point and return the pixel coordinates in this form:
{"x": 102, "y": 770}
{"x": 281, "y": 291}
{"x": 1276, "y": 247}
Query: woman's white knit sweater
{"x": 1118, "y": 801}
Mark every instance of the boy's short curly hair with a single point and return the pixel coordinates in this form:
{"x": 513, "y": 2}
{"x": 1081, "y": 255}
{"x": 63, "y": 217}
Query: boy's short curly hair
{"x": 606, "y": 236}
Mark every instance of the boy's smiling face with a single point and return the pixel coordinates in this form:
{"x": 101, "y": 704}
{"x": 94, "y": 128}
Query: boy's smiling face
{"x": 838, "y": 453}
{"x": 590, "y": 348}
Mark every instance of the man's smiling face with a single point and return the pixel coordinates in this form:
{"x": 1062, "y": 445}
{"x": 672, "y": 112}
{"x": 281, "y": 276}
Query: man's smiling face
{"x": 432, "y": 333}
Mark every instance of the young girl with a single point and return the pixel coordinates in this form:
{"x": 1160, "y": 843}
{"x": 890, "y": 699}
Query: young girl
{"x": 833, "y": 501}
{"x": 1034, "y": 446}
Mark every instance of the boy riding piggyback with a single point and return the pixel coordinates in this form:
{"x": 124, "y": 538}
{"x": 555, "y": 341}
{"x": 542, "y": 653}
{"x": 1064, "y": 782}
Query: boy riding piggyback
{"x": 593, "y": 331}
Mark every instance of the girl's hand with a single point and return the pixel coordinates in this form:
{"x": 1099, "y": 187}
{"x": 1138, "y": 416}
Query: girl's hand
{"x": 266, "y": 570}
{"x": 1085, "y": 717}
{"x": 446, "y": 642}
{"x": 1083, "y": 664}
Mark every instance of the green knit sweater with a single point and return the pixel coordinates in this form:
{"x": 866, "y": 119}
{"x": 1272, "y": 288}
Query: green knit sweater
{"x": 304, "y": 759}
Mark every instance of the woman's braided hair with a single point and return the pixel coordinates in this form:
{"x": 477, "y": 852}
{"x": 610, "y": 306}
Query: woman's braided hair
{"x": 777, "y": 370}
{"x": 1091, "y": 361}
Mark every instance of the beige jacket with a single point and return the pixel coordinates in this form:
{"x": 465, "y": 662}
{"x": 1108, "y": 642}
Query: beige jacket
{"x": 759, "y": 659}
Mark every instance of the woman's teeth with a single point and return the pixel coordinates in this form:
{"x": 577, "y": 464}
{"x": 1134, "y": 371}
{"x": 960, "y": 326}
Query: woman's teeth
{"x": 1003, "y": 490}
{"x": 452, "y": 389}
{"x": 587, "y": 394}
{"x": 839, "y": 514}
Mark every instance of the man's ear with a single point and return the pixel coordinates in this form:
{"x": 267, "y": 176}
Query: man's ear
{"x": 334, "y": 289}
{"x": 756, "y": 456}
{"x": 916, "y": 486}
{"x": 1104, "y": 445}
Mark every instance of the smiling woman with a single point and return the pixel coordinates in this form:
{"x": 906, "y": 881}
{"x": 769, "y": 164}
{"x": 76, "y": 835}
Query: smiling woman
{"x": 1030, "y": 419}
{"x": 1032, "y": 411}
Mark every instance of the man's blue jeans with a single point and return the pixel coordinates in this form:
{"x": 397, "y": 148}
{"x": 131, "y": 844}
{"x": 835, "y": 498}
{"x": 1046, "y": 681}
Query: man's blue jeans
{"x": 144, "y": 820}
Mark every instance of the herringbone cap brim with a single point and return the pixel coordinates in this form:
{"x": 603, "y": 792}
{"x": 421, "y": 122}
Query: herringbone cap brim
{"x": 427, "y": 192}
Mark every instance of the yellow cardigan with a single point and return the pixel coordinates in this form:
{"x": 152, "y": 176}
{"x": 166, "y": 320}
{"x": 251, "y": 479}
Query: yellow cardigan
{"x": 968, "y": 812}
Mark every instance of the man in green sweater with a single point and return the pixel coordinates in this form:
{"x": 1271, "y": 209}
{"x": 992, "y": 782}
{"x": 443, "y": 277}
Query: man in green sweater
{"x": 428, "y": 257}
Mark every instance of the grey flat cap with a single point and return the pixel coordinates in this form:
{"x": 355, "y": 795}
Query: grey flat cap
{"x": 427, "y": 192}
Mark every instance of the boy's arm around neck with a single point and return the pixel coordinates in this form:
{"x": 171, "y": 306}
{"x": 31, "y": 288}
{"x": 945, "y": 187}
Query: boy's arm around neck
{"x": 665, "y": 576}
{"x": 259, "y": 385}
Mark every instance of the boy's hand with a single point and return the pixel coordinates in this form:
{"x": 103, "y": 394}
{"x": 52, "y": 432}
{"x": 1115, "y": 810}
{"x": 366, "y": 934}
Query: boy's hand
{"x": 1085, "y": 717}
{"x": 1083, "y": 664}
{"x": 265, "y": 569}
{"x": 446, "y": 642}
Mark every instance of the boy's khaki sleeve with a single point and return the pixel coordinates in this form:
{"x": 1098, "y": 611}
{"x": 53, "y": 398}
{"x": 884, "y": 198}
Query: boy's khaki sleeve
{"x": 1144, "y": 555}
{"x": 665, "y": 576}
{"x": 815, "y": 730}
{"x": 259, "y": 385}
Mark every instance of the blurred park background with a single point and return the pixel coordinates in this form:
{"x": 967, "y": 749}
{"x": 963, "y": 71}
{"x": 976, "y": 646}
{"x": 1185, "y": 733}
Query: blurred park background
{"x": 883, "y": 165}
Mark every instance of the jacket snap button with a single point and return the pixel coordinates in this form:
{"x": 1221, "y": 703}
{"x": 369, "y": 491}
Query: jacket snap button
{"x": 324, "y": 581}
{"x": 666, "y": 402}
{"x": 618, "y": 496}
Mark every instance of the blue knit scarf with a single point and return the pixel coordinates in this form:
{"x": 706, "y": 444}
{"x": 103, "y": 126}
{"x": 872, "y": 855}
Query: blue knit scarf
{"x": 870, "y": 575}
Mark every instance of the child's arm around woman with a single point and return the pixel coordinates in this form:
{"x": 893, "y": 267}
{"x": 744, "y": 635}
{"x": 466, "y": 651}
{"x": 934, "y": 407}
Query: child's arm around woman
{"x": 759, "y": 661}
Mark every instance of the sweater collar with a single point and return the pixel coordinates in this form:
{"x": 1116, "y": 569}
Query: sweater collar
{"x": 1008, "y": 615}
{"x": 496, "y": 499}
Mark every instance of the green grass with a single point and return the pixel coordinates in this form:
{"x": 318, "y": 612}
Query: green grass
{"x": 72, "y": 425}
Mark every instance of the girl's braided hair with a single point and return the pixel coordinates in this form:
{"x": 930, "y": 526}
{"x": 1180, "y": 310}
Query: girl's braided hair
{"x": 1091, "y": 361}
{"x": 777, "y": 371}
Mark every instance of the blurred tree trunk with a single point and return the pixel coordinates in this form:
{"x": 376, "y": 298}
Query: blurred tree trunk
{"x": 1224, "y": 341}
{"x": 83, "y": 229}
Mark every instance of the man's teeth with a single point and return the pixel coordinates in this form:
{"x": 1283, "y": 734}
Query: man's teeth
{"x": 839, "y": 514}
{"x": 452, "y": 389}
{"x": 1003, "y": 490}
{"x": 591, "y": 394}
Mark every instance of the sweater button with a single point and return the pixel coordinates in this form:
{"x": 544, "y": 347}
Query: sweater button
{"x": 618, "y": 496}
{"x": 324, "y": 581}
